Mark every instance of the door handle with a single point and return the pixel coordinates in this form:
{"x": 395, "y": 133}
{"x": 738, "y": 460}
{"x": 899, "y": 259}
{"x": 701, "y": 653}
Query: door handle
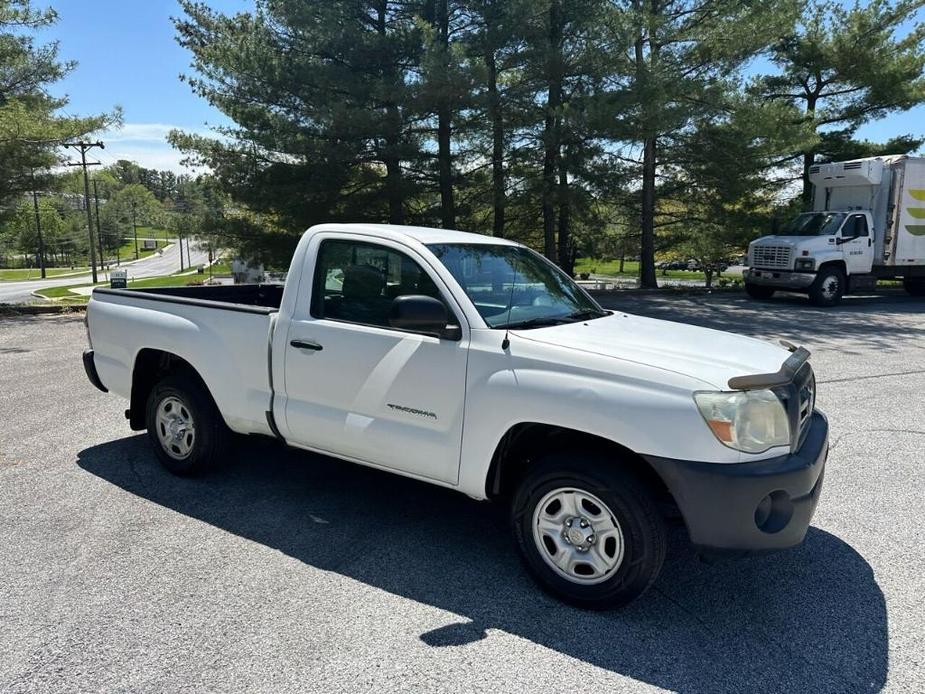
{"x": 870, "y": 242}
{"x": 306, "y": 344}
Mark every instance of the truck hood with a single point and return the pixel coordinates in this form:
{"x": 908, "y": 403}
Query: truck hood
{"x": 710, "y": 356}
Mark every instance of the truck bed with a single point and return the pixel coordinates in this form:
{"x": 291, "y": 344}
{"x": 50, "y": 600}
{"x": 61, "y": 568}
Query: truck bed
{"x": 223, "y": 330}
{"x": 265, "y": 298}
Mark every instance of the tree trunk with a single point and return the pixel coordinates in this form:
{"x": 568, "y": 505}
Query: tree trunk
{"x": 444, "y": 119}
{"x": 565, "y": 245}
{"x": 393, "y": 187}
{"x": 447, "y": 207}
{"x": 809, "y": 157}
{"x": 551, "y": 127}
{"x": 808, "y": 160}
{"x": 497, "y": 143}
{"x": 647, "y": 275}
{"x": 709, "y": 275}
{"x": 394, "y": 190}
{"x": 622, "y": 259}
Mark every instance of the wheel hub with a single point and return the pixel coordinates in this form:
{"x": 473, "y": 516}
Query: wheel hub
{"x": 578, "y": 532}
{"x": 175, "y": 429}
{"x": 577, "y": 535}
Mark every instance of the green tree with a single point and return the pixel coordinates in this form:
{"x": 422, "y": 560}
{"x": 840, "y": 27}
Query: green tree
{"x": 495, "y": 46}
{"x": 31, "y": 125}
{"x": 128, "y": 207}
{"x": 843, "y": 66}
{"x": 321, "y": 99}
{"x": 681, "y": 66}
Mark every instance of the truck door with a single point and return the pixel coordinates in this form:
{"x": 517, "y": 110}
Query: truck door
{"x": 857, "y": 244}
{"x": 356, "y": 387}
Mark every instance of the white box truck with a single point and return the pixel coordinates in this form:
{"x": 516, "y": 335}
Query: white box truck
{"x": 867, "y": 224}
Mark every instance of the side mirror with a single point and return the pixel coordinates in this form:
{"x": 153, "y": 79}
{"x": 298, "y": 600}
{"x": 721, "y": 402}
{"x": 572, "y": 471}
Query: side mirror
{"x": 422, "y": 314}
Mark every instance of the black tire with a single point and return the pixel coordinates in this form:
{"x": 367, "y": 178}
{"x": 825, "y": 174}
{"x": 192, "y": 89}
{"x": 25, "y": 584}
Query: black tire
{"x": 758, "y": 291}
{"x": 829, "y": 286}
{"x": 915, "y": 286}
{"x": 628, "y": 501}
{"x": 206, "y": 445}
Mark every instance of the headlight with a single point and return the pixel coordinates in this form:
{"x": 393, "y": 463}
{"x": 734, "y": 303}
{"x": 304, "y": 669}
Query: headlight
{"x": 751, "y": 421}
{"x": 805, "y": 264}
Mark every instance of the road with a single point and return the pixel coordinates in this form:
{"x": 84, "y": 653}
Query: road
{"x": 291, "y": 572}
{"x": 155, "y": 265}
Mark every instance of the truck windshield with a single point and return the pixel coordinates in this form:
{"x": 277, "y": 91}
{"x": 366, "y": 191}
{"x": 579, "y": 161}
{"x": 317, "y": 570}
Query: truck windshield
{"x": 513, "y": 287}
{"x": 813, "y": 224}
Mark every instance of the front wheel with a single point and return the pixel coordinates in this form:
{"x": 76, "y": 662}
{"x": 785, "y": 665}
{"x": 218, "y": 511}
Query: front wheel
{"x": 828, "y": 287}
{"x": 588, "y": 531}
{"x": 758, "y": 291}
{"x": 184, "y": 425}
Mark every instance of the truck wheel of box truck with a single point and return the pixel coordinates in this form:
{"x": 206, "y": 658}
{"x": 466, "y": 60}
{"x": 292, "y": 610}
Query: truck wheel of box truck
{"x": 184, "y": 425}
{"x": 828, "y": 287}
{"x": 915, "y": 286}
{"x": 757, "y": 291}
{"x": 588, "y": 531}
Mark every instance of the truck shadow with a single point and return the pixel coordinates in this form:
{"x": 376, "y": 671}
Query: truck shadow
{"x": 809, "y": 619}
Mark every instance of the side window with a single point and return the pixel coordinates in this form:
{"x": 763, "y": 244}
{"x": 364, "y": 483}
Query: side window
{"x": 847, "y": 229}
{"x": 357, "y": 282}
{"x": 860, "y": 225}
{"x": 855, "y": 226}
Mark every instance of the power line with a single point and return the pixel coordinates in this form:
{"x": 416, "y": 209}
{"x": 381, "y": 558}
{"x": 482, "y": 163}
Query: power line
{"x": 83, "y": 148}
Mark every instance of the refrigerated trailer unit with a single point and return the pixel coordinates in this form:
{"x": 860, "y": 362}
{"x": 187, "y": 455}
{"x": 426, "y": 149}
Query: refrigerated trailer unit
{"x": 867, "y": 223}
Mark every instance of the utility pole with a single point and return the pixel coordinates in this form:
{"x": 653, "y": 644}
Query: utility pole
{"x": 189, "y": 259}
{"x": 99, "y": 234}
{"x": 83, "y": 148}
{"x": 180, "y": 241}
{"x": 38, "y": 225}
{"x": 135, "y": 227}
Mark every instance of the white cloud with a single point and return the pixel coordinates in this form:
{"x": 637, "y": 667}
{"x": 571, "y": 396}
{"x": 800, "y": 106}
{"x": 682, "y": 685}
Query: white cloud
{"x": 146, "y": 145}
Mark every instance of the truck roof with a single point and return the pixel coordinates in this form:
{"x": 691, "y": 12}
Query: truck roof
{"x": 425, "y": 235}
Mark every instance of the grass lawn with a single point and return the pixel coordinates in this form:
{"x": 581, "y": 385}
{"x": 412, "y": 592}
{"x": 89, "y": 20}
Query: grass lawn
{"x": 35, "y": 273}
{"x": 64, "y": 293}
{"x": 127, "y": 249}
{"x": 611, "y": 268}
{"x": 222, "y": 267}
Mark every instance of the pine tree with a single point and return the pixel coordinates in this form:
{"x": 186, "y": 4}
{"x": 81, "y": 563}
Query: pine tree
{"x": 843, "y": 66}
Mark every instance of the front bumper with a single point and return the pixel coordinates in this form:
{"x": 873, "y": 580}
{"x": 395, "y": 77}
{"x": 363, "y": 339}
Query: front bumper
{"x": 90, "y": 368}
{"x": 784, "y": 279}
{"x": 764, "y": 505}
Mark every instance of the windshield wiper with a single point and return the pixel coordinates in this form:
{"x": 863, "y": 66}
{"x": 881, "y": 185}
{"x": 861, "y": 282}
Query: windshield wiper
{"x": 546, "y": 321}
{"x": 540, "y": 322}
{"x": 587, "y": 313}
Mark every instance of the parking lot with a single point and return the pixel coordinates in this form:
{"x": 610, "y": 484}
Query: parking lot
{"x": 290, "y": 572}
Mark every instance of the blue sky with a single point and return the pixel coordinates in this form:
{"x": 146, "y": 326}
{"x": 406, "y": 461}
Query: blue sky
{"x": 127, "y": 56}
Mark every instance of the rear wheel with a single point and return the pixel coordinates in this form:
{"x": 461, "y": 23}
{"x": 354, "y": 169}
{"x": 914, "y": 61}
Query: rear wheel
{"x": 915, "y": 286}
{"x": 828, "y": 287}
{"x": 184, "y": 425}
{"x": 757, "y": 291}
{"x": 589, "y": 532}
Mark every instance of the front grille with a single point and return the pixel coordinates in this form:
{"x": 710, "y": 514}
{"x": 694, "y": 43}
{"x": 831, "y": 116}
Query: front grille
{"x": 799, "y": 399}
{"x": 807, "y": 401}
{"x": 772, "y": 257}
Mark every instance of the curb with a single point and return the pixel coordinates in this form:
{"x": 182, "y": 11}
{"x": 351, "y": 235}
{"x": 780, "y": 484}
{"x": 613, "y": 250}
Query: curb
{"x": 13, "y": 310}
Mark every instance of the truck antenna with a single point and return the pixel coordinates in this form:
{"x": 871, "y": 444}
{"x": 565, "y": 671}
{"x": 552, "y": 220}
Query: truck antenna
{"x": 506, "y": 342}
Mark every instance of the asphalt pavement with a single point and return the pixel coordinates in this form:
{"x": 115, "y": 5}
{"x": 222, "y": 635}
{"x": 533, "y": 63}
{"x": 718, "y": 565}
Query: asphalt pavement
{"x": 292, "y": 572}
{"x": 165, "y": 263}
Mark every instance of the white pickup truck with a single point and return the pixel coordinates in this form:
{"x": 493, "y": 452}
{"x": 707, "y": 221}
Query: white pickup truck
{"x": 473, "y": 363}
